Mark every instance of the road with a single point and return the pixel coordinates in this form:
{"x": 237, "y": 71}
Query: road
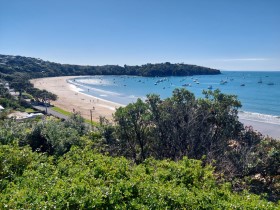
{"x": 51, "y": 112}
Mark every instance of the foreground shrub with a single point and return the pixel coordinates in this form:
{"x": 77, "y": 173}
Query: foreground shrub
{"x": 50, "y": 135}
{"x": 83, "y": 180}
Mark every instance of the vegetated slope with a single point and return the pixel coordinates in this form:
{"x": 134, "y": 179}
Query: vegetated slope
{"x": 69, "y": 167}
{"x": 84, "y": 179}
{"x": 38, "y": 68}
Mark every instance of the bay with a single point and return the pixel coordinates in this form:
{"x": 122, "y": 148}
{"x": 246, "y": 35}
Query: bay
{"x": 259, "y": 92}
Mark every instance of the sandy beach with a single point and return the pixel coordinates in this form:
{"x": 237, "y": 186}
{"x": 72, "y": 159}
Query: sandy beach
{"x": 69, "y": 99}
{"x": 272, "y": 130}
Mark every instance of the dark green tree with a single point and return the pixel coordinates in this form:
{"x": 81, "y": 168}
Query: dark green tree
{"x": 134, "y": 130}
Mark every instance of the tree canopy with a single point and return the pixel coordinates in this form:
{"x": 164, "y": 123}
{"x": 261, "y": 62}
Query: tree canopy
{"x": 35, "y": 68}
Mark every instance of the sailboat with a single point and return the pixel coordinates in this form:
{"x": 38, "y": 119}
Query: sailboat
{"x": 260, "y": 81}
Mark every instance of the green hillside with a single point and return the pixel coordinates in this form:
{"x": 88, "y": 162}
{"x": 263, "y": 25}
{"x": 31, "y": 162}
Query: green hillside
{"x": 35, "y": 68}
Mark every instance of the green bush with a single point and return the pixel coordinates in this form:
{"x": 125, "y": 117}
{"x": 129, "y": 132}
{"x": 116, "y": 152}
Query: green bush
{"x": 52, "y": 136}
{"x": 13, "y": 132}
{"x": 82, "y": 179}
{"x": 13, "y": 162}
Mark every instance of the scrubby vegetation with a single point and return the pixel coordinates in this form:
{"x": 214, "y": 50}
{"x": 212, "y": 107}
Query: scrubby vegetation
{"x": 178, "y": 153}
{"x": 84, "y": 179}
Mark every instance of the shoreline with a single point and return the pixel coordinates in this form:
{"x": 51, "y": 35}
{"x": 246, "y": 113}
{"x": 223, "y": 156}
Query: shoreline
{"x": 267, "y": 129}
{"x": 70, "y": 98}
{"x": 79, "y": 90}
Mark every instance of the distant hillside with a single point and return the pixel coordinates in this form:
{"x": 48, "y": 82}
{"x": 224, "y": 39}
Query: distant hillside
{"x": 34, "y": 68}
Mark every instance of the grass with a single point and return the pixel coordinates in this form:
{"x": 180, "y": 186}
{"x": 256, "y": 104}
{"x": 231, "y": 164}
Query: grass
{"x": 93, "y": 123}
{"x": 61, "y": 111}
{"x": 29, "y": 110}
{"x": 66, "y": 113}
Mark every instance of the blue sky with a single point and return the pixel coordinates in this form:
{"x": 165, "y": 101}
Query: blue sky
{"x": 223, "y": 34}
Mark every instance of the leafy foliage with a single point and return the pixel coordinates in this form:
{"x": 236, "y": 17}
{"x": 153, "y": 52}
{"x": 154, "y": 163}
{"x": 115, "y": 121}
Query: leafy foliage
{"x": 178, "y": 126}
{"x": 51, "y": 136}
{"x": 82, "y": 179}
{"x": 11, "y": 132}
{"x": 205, "y": 129}
{"x": 76, "y": 122}
{"x": 13, "y": 162}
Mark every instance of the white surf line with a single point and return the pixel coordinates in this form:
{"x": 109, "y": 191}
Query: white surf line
{"x": 76, "y": 89}
{"x": 260, "y": 121}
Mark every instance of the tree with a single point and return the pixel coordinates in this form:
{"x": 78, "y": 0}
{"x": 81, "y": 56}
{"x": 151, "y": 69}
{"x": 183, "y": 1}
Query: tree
{"x": 134, "y": 130}
{"x": 75, "y": 121}
{"x": 52, "y": 137}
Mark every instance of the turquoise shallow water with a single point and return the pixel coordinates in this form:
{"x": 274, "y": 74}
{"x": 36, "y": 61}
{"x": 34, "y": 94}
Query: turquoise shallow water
{"x": 260, "y": 101}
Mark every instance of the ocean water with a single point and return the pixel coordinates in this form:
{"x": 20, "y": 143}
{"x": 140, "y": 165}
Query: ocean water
{"x": 259, "y": 92}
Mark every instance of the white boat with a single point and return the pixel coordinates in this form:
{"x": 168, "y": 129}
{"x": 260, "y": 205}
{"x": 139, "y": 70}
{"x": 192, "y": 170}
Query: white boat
{"x": 222, "y": 82}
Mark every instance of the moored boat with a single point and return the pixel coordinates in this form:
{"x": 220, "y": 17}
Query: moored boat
{"x": 187, "y": 85}
{"x": 222, "y": 82}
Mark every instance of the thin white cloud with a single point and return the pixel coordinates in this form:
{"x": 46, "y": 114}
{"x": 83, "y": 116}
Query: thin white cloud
{"x": 245, "y": 59}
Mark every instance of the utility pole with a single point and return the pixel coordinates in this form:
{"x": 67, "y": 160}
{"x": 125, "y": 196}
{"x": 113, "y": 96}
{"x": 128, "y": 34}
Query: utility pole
{"x": 93, "y": 108}
{"x": 46, "y": 105}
